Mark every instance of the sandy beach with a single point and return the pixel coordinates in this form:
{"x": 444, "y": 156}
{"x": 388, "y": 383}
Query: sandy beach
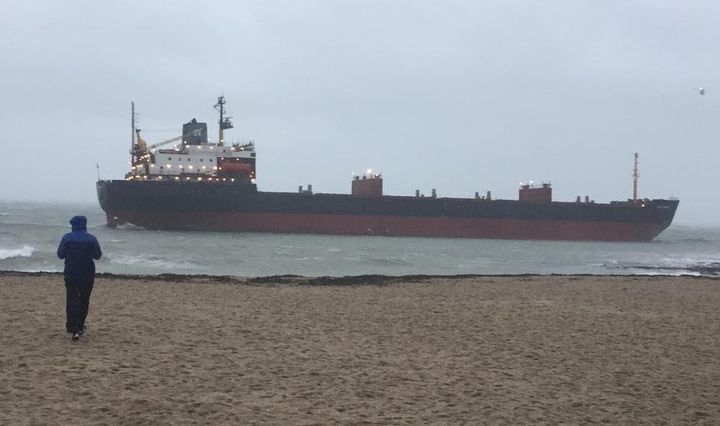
{"x": 365, "y": 350}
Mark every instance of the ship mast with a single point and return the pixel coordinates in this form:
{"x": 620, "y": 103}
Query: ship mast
{"x": 132, "y": 123}
{"x": 224, "y": 122}
{"x": 635, "y": 179}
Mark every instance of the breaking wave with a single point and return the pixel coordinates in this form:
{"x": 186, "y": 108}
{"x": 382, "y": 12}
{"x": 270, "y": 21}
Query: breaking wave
{"x": 150, "y": 261}
{"x": 705, "y": 269}
{"x": 24, "y": 251}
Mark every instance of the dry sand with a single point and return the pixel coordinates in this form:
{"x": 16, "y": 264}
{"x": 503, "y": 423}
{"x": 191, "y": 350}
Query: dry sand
{"x": 369, "y": 350}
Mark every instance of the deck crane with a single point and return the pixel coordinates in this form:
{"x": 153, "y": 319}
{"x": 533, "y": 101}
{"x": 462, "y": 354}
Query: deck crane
{"x": 140, "y": 153}
{"x": 141, "y": 146}
{"x": 140, "y": 156}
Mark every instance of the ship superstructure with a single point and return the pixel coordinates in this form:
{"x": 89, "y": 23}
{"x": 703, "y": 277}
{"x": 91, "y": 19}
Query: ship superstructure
{"x": 193, "y": 158}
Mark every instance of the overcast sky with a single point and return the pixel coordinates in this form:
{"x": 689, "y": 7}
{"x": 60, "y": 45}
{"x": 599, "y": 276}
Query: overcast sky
{"x": 461, "y": 96}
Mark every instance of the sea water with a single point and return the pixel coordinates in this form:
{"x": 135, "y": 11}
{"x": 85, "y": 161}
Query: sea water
{"x": 30, "y": 232}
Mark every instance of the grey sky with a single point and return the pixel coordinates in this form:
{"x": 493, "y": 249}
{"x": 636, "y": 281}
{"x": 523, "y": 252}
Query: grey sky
{"x": 461, "y": 96}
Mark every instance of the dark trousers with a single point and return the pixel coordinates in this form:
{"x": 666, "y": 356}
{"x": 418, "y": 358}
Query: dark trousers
{"x": 77, "y": 304}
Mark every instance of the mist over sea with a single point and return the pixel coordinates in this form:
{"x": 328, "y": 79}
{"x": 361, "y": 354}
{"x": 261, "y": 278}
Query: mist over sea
{"x": 30, "y": 232}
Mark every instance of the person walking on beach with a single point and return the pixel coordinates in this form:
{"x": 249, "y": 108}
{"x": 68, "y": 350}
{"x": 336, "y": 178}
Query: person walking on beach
{"x": 78, "y": 248}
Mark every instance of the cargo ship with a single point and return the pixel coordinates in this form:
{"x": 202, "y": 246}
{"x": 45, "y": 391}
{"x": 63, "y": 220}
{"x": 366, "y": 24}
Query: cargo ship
{"x": 200, "y": 185}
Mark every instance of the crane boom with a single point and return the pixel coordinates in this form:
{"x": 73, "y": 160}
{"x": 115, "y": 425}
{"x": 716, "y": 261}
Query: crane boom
{"x": 142, "y": 147}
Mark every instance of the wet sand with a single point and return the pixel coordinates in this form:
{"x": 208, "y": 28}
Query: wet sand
{"x": 363, "y": 350}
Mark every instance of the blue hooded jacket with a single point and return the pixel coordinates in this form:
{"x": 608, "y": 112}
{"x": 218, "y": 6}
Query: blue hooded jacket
{"x": 79, "y": 248}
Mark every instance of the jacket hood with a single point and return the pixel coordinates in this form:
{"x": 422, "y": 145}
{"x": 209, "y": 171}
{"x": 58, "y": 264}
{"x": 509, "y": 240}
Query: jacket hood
{"x": 79, "y": 223}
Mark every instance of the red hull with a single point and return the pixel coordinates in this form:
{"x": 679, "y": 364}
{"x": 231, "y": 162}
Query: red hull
{"x": 393, "y": 226}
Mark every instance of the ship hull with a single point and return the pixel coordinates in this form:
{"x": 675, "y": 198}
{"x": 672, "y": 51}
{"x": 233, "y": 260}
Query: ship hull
{"x": 220, "y": 207}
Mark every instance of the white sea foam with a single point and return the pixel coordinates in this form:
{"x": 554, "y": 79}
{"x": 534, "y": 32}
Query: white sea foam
{"x": 24, "y": 251}
{"x": 149, "y": 261}
{"x": 129, "y": 226}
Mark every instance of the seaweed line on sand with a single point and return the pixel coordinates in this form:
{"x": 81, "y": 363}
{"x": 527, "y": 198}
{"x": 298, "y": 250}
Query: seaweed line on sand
{"x": 349, "y": 280}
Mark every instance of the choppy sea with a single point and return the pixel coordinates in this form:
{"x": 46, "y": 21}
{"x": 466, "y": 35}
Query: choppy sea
{"x": 30, "y": 232}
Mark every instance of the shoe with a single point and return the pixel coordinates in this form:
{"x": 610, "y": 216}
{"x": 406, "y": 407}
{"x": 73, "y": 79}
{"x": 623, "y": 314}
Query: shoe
{"x": 75, "y": 337}
{"x": 82, "y": 331}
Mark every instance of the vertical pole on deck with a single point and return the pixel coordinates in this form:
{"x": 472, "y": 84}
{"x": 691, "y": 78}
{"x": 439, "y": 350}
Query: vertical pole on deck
{"x": 635, "y": 179}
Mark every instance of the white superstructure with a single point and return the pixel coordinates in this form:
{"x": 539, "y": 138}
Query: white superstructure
{"x": 194, "y": 158}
